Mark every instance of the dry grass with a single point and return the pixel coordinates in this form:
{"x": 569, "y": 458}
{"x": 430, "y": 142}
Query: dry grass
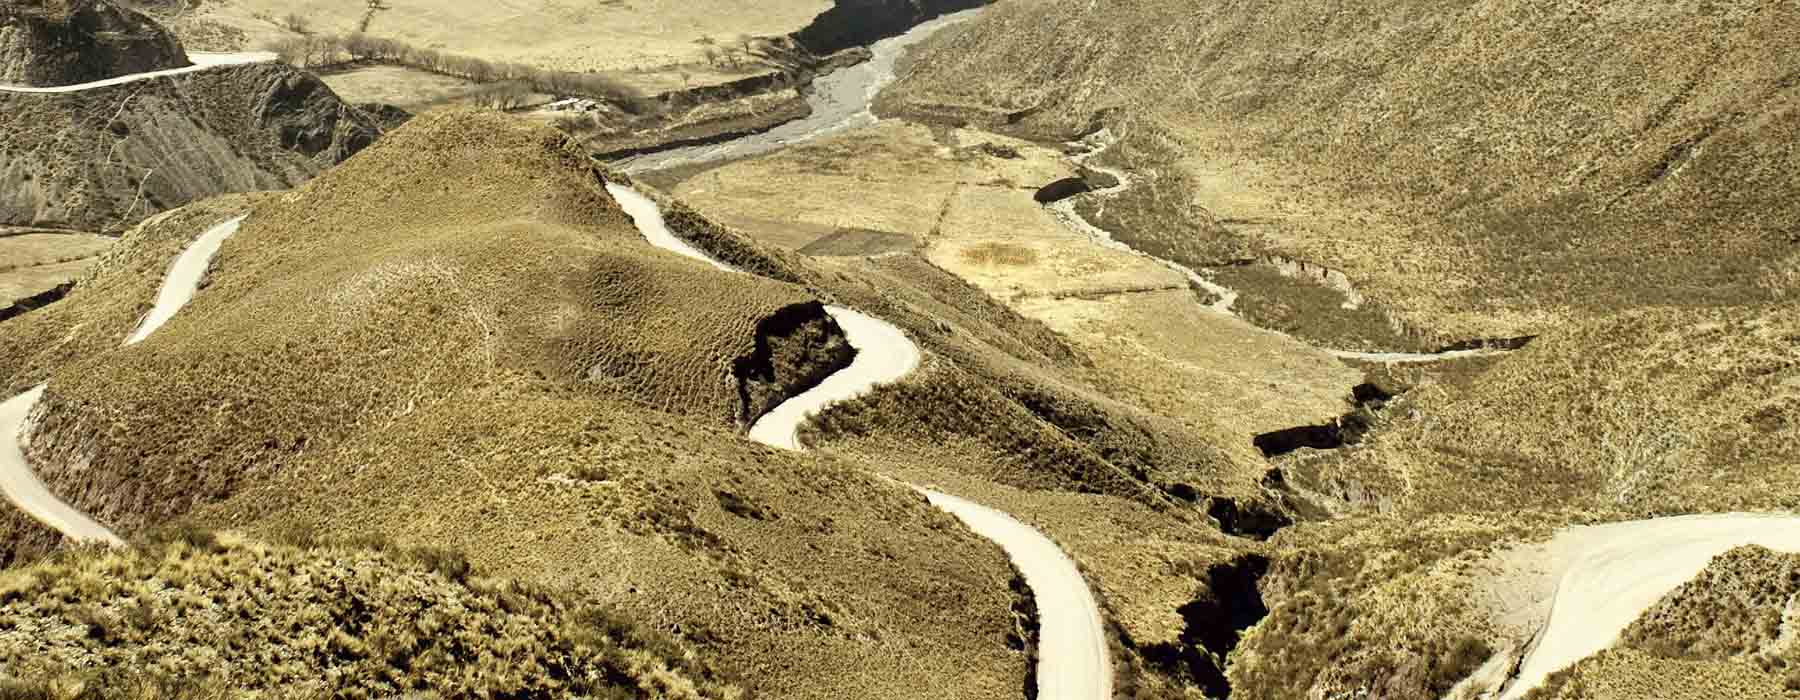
{"x": 1637, "y": 211}
{"x": 1727, "y": 633}
{"x": 1627, "y": 674}
{"x": 1371, "y": 605}
{"x": 1741, "y": 607}
{"x": 458, "y": 339}
{"x": 1442, "y": 156}
{"x": 408, "y": 88}
{"x": 541, "y": 33}
{"x": 1649, "y": 412}
{"x": 1003, "y": 254}
{"x": 197, "y": 614}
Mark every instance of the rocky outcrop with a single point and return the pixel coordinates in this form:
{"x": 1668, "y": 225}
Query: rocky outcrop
{"x": 48, "y": 43}
{"x": 103, "y": 159}
{"x": 796, "y": 348}
{"x": 852, "y": 23}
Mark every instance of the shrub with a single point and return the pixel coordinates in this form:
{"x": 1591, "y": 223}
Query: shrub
{"x": 296, "y": 23}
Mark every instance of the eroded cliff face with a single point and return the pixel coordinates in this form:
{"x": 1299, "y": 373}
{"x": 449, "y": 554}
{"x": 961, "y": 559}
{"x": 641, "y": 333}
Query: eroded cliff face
{"x": 47, "y": 43}
{"x": 103, "y": 159}
{"x": 796, "y": 348}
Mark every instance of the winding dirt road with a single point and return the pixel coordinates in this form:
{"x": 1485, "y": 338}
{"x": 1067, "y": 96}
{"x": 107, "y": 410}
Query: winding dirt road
{"x": 17, "y": 480}
{"x": 201, "y": 60}
{"x": 1074, "y": 661}
{"x": 1608, "y": 575}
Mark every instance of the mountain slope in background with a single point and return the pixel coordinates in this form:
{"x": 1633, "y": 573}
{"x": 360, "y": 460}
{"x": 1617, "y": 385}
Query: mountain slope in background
{"x": 1485, "y": 167}
{"x": 103, "y": 159}
{"x": 63, "y": 42}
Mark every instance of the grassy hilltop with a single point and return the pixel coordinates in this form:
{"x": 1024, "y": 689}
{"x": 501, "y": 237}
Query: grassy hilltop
{"x": 456, "y": 338}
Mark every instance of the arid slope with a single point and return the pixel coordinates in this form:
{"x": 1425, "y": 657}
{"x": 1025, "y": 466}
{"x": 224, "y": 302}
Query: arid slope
{"x": 458, "y": 339}
{"x": 1482, "y": 166}
{"x": 103, "y": 159}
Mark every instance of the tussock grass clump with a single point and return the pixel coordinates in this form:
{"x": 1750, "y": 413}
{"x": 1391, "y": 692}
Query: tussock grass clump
{"x": 200, "y": 614}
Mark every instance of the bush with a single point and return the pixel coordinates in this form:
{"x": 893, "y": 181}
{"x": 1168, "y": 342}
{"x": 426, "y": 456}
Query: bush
{"x": 296, "y": 23}
{"x": 326, "y": 50}
{"x": 452, "y": 564}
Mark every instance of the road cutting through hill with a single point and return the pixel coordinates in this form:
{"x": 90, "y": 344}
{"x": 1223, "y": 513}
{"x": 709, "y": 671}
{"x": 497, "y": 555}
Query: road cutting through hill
{"x": 20, "y": 484}
{"x": 202, "y": 61}
{"x": 1074, "y": 661}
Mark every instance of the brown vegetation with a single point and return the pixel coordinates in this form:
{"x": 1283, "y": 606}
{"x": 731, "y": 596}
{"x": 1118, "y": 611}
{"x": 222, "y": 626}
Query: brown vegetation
{"x": 327, "y": 50}
{"x": 1444, "y": 157}
{"x": 468, "y": 276}
{"x": 1742, "y": 607}
{"x": 194, "y": 614}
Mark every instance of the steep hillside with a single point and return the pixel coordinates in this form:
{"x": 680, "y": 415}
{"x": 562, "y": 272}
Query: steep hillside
{"x": 458, "y": 339}
{"x": 1614, "y": 177}
{"x": 103, "y": 159}
{"x": 64, "y": 42}
{"x": 1482, "y": 166}
{"x": 1648, "y": 412}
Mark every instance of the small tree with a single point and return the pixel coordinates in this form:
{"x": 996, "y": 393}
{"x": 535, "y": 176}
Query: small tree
{"x": 296, "y": 23}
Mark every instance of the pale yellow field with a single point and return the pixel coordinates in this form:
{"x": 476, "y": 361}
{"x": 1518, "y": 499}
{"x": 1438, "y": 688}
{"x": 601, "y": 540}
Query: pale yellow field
{"x": 31, "y": 263}
{"x": 555, "y": 34}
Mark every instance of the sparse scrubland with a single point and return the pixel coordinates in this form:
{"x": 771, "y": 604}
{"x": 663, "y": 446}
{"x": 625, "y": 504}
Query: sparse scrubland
{"x": 468, "y": 276}
{"x": 1483, "y": 168}
{"x": 1611, "y": 179}
{"x": 456, "y": 341}
{"x": 1727, "y": 633}
{"x": 193, "y": 614}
